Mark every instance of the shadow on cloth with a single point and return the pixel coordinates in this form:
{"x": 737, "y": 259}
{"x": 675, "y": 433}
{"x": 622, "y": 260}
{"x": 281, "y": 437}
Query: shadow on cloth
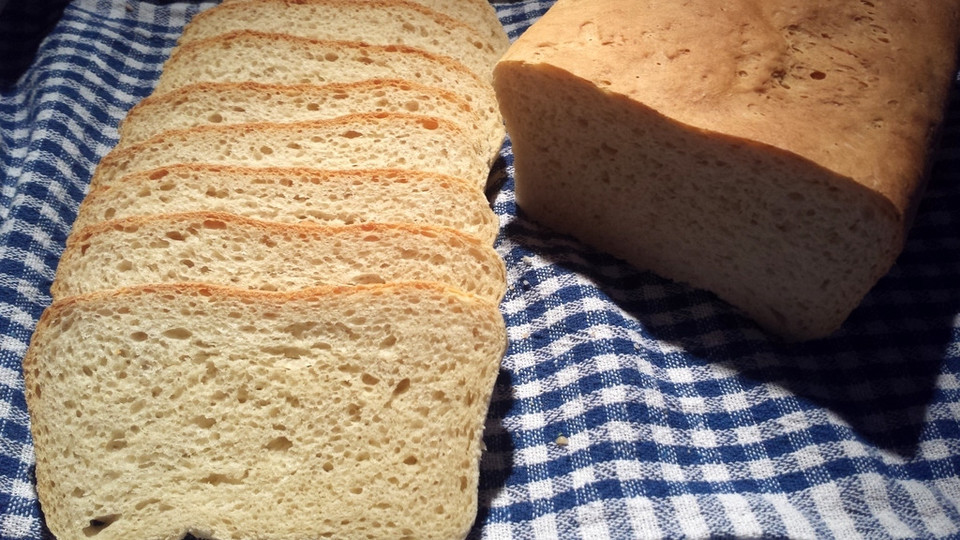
{"x": 496, "y": 463}
{"x": 23, "y": 25}
{"x": 877, "y": 373}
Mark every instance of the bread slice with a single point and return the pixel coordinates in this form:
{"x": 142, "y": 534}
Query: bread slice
{"x": 330, "y": 413}
{"x": 233, "y": 103}
{"x": 240, "y": 56}
{"x": 377, "y": 22}
{"x": 477, "y": 14}
{"x": 363, "y": 141}
{"x": 226, "y": 249}
{"x": 323, "y": 197}
{"x": 770, "y": 152}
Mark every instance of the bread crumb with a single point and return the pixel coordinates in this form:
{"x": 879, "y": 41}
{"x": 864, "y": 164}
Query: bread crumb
{"x": 562, "y": 441}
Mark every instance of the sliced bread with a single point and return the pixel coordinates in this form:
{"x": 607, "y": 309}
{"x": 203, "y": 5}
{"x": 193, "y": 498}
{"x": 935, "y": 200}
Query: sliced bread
{"x": 241, "y": 56}
{"x": 477, "y": 14}
{"x": 233, "y": 103}
{"x": 330, "y": 413}
{"x": 341, "y": 197}
{"x": 365, "y": 141}
{"x": 225, "y": 249}
{"x": 377, "y": 22}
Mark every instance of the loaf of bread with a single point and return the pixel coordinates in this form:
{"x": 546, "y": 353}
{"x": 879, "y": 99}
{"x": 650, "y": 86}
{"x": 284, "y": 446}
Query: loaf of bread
{"x": 225, "y": 249}
{"x": 294, "y": 195}
{"x": 206, "y": 104}
{"x": 327, "y": 413}
{"x": 363, "y": 141}
{"x": 376, "y": 22}
{"x": 771, "y": 152}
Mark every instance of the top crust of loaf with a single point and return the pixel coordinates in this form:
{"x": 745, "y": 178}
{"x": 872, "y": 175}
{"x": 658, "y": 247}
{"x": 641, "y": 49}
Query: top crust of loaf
{"x": 773, "y": 72}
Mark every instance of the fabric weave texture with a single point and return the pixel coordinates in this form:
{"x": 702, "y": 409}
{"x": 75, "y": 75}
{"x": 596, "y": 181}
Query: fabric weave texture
{"x": 627, "y": 406}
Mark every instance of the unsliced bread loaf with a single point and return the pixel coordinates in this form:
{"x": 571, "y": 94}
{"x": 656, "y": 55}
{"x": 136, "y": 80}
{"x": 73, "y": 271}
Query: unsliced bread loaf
{"x": 477, "y": 14}
{"x": 377, "y": 22}
{"x": 291, "y": 195}
{"x": 771, "y": 152}
{"x": 330, "y": 413}
{"x": 225, "y": 249}
{"x": 233, "y": 103}
{"x": 240, "y": 56}
{"x": 363, "y": 141}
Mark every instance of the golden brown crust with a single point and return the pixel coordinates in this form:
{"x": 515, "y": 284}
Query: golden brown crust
{"x": 847, "y": 85}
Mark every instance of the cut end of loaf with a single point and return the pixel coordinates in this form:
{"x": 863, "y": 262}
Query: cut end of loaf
{"x": 794, "y": 246}
{"x": 235, "y": 415}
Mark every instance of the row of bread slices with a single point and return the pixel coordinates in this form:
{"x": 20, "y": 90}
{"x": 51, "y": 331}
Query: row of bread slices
{"x": 265, "y": 114}
{"x": 191, "y": 376}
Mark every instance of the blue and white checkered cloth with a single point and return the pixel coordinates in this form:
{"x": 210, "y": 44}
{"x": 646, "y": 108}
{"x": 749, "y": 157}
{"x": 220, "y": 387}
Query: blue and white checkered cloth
{"x": 628, "y": 406}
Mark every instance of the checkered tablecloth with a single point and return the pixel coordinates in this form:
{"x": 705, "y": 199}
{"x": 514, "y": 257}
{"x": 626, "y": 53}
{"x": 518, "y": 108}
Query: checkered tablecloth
{"x": 628, "y": 406}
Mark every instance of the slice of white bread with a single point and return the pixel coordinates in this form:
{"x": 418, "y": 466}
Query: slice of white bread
{"x": 377, "y": 22}
{"x": 330, "y": 413}
{"x": 477, "y": 14}
{"x": 362, "y": 141}
{"x": 291, "y": 195}
{"x": 241, "y": 56}
{"x": 226, "y": 249}
{"x": 770, "y": 152}
{"x": 234, "y": 103}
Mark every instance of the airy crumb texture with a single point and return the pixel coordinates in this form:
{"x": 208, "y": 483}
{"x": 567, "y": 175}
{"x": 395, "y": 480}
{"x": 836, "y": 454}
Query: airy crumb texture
{"x": 363, "y": 141}
{"x": 332, "y": 413}
{"x": 206, "y": 104}
{"x": 239, "y": 56}
{"x": 477, "y": 14}
{"x": 224, "y": 249}
{"x": 290, "y": 195}
{"x": 377, "y": 22}
{"x": 770, "y": 152}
